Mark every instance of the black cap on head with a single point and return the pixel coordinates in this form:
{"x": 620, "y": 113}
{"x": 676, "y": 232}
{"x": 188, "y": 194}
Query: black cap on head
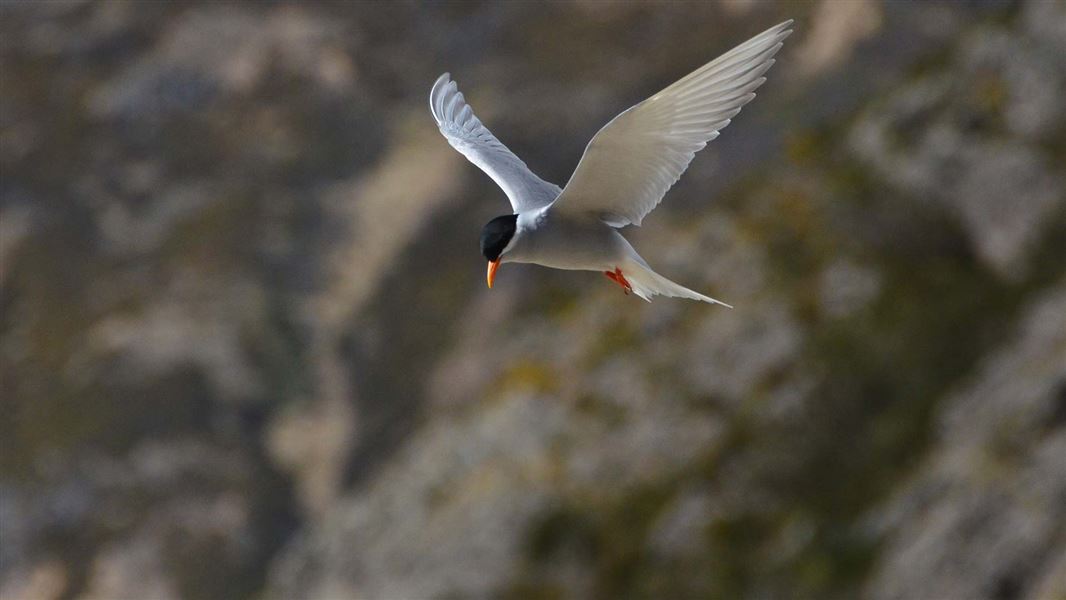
{"x": 496, "y": 234}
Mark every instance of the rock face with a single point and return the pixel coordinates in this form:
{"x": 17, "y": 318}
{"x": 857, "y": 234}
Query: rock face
{"x": 246, "y": 351}
{"x": 994, "y": 480}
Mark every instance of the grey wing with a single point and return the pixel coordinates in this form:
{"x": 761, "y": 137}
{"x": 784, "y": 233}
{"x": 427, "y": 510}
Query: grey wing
{"x": 631, "y": 163}
{"x": 466, "y": 134}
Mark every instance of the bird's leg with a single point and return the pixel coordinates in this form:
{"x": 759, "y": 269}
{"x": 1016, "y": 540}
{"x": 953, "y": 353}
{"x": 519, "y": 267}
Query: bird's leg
{"x": 617, "y": 277}
{"x": 610, "y": 275}
{"x": 621, "y": 279}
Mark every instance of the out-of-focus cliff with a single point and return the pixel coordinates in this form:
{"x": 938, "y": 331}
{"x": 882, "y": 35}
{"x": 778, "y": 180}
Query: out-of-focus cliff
{"x": 246, "y": 350}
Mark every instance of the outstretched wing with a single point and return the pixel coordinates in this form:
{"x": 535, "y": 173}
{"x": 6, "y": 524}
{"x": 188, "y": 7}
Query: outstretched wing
{"x": 466, "y": 134}
{"x": 631, "y": 163}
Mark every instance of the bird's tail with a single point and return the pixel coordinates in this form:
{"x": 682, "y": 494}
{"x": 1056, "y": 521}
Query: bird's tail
{"x": 647, "y": 283}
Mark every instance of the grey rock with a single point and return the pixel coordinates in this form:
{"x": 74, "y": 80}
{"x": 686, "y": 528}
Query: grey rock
{"x": 983, "y": 518}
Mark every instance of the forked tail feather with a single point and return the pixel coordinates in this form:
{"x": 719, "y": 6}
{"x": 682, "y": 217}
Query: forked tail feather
{"x": 647, "y": 283}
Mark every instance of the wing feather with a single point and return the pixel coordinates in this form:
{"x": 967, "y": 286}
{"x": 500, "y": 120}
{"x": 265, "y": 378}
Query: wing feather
{"x": 465, "y": 132}
{"x": 631, "y": 163}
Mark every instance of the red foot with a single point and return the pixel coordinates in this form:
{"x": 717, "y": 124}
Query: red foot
{"x": 617, "y": 277}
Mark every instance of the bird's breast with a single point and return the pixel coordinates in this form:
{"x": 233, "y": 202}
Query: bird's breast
{"x": 564, "y": 244}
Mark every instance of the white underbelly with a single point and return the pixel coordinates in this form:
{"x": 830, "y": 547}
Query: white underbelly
{"x": 573, "y": 247}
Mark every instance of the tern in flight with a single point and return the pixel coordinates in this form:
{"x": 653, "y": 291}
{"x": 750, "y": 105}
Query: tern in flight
{"x": 624, "y": 173}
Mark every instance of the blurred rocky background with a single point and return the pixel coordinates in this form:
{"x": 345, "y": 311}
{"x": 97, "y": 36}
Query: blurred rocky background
{"x": 247, "y": 351}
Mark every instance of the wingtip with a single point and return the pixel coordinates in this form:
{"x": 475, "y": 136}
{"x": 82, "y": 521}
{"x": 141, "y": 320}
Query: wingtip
{"x": 782, "y": 30}
{"x": 436, "y": 95}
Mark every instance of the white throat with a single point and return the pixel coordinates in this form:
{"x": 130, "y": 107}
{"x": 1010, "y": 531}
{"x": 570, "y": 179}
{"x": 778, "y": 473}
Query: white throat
{"x": 525, "y": 223}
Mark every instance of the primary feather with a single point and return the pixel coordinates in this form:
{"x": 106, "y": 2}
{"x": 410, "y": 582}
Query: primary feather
{"x": 631, "y": 163}
{"x": 465, "y": 132}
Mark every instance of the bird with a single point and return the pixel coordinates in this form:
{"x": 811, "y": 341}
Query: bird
{"x": 623, "y": 174}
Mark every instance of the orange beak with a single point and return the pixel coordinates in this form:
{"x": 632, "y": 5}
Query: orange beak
{"x": 491, "y": 275}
